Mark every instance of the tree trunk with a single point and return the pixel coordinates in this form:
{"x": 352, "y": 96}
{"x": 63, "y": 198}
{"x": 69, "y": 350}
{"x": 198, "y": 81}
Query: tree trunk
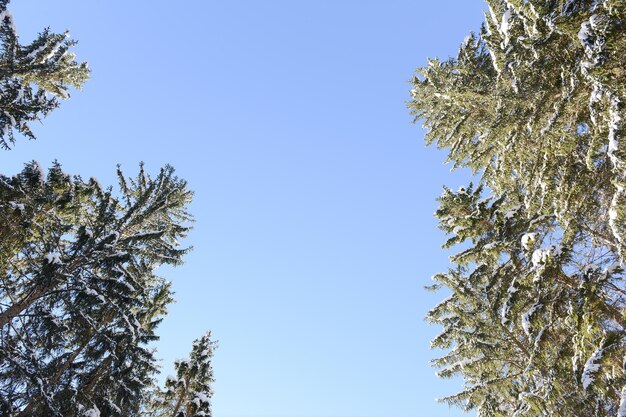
{"x": 23, "y": 304}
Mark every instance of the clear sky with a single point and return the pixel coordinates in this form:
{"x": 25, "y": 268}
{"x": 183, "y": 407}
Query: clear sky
{"x": 314, "y": 193}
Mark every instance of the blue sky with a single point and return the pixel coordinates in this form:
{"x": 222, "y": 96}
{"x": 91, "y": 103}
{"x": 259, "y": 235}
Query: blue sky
{"x": 314, "y": 193}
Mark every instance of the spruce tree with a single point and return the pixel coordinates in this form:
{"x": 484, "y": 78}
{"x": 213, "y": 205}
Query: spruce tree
{"x": 33, "y": 77}
{"x": 79, "y": 297}
{"x": 189, "y": 392}
{"x": 533, "y": 104}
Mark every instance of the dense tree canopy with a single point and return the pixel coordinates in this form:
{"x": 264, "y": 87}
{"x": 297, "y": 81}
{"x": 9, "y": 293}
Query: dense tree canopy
{"x": 534, "y": 104}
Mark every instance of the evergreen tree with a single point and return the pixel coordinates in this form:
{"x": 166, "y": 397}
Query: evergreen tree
{"x": 79, "y": 297}
{"x": 79, "y": 300}
{"x": 535, "y": 321}
{"x": 527, "y": 312}
{"x": 33, "y": 77}
{"x": 189, "y": 392}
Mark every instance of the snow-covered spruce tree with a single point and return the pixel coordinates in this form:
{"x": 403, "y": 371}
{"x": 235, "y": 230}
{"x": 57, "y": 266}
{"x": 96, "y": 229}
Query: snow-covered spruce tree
{"x": 33, "y": 77}
{"x": 79, "y": 300}
{"x": 534, "y": 319}
{"x": 534, "y": 104}
{"x": 189, "y": 392}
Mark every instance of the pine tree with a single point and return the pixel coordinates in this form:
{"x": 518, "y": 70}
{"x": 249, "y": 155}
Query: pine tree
{"x": 79, "y": 300}
{"x": 535, "y": 321}
{"x": 33, "y": 77}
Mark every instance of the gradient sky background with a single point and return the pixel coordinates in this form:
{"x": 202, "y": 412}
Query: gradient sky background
{"x": 314, "y": 193}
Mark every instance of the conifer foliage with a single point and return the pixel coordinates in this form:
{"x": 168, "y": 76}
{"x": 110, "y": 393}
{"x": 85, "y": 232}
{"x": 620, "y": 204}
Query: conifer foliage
{"x": 33, "y": 77}
{"x": 79, "y": 297}
{"x": 534, "y": 104}
{"x": 189, "y": 392}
